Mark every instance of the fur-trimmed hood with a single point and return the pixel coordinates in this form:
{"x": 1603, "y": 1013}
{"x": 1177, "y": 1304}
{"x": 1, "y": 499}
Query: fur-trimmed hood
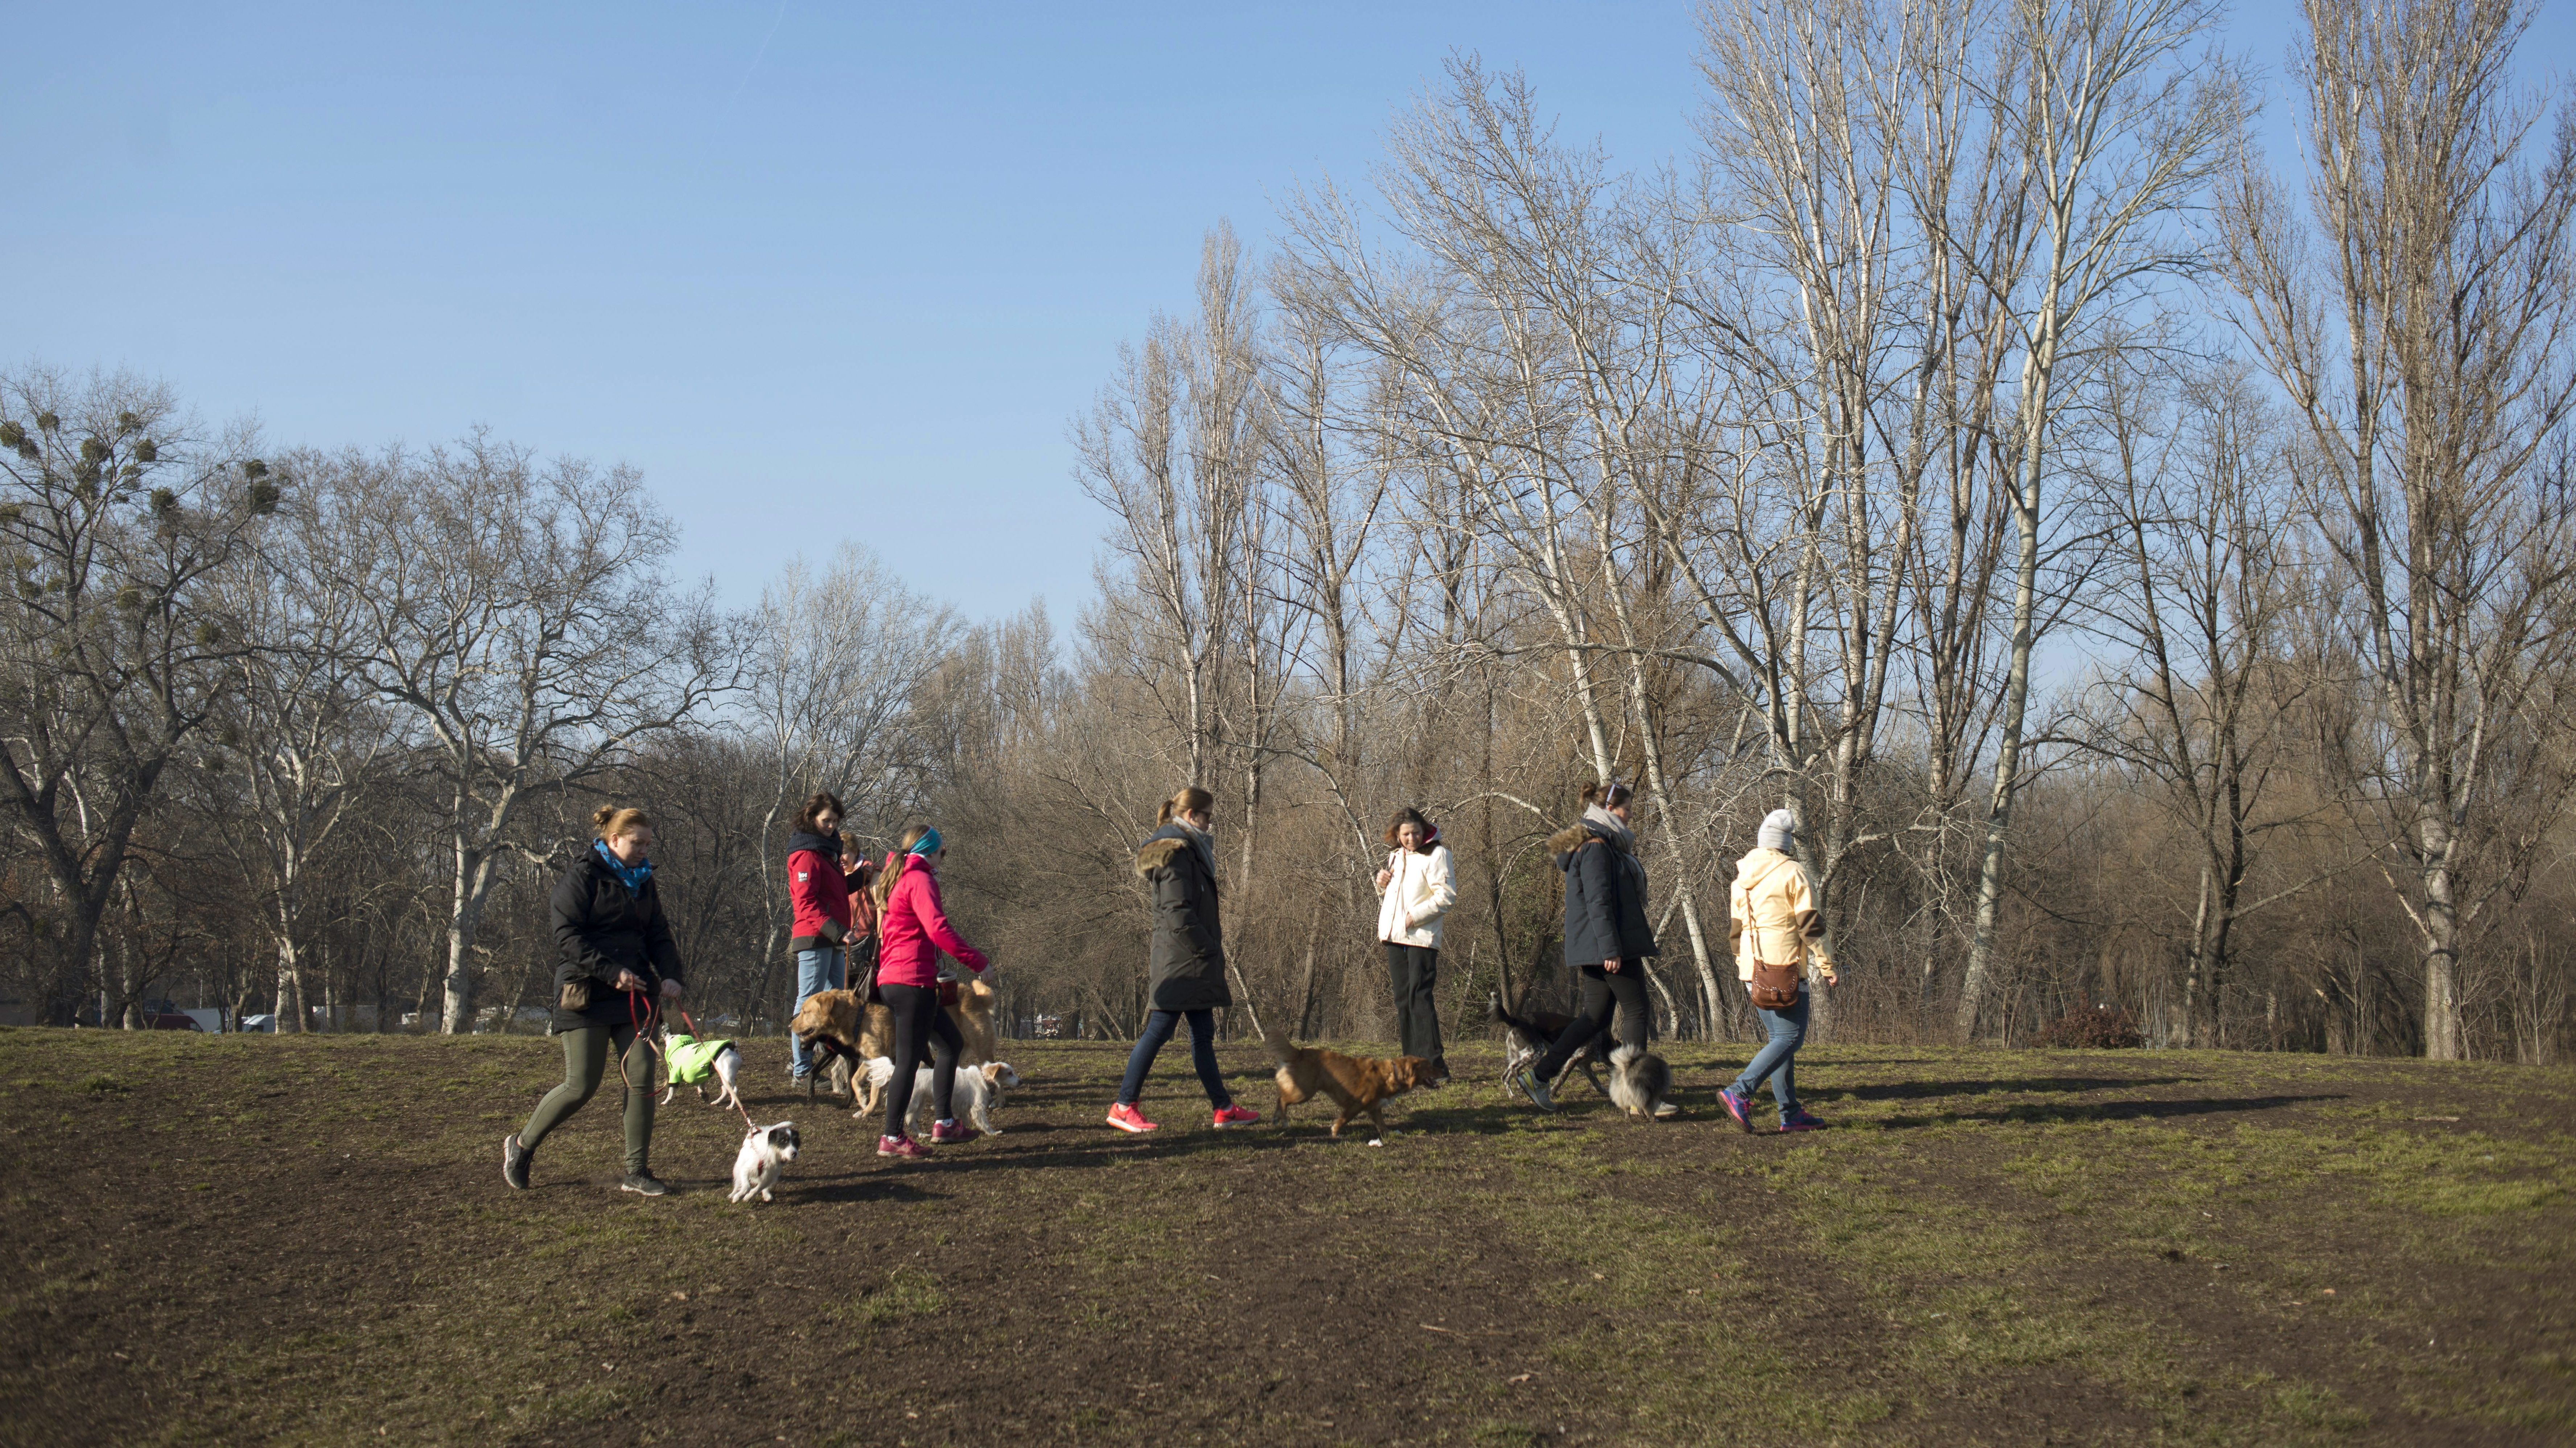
{"x": 1566, "y": 841}
{"x": 1168, "y": 841}
{"x": 1157, "y": 853}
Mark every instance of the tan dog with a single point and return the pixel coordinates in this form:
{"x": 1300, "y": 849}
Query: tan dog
{"x": 973, "y": 1014}
{"x": 1356, "y": 1084}
{"x": 833, "y": 1022}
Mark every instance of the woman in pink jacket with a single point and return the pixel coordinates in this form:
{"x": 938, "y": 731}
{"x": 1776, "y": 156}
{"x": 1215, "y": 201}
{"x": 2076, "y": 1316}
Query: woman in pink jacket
{"x": 912, "y": 930}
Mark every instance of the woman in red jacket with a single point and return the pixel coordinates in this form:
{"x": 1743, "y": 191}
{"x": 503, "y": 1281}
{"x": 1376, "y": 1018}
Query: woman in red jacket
{"x": 818, "y": 889}
{"x": 912, "y": 929}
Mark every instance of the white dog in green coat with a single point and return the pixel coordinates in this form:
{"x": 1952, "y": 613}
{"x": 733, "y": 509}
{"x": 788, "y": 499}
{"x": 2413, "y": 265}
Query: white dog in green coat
{"x": 692, "y": 1062}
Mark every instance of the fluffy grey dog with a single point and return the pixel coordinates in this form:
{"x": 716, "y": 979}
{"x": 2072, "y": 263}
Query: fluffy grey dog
{"x": 1639, "y": 1082}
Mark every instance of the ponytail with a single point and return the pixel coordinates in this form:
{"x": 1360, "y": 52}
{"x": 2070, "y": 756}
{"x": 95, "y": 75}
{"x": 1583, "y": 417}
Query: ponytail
{"x": 1191, "y": 800}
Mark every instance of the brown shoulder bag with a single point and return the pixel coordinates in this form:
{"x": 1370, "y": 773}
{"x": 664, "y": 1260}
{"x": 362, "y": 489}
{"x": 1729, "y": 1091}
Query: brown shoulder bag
{"x": 1775, "y": 987}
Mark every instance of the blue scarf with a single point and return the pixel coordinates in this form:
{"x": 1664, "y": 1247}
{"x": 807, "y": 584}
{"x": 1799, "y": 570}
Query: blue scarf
{"x": 927, "y": 846}
{"x": 635, "y": 876}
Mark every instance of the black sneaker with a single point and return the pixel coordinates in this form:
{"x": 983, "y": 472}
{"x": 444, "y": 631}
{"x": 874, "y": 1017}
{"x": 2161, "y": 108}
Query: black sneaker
{"x": 514, "y": 1161}
{"x": 644, "y": 1184}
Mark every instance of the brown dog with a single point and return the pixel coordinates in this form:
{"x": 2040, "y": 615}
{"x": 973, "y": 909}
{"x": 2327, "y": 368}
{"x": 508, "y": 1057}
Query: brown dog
{"x": 1356, "y": 1084}
{"x": 833, "y": 1023}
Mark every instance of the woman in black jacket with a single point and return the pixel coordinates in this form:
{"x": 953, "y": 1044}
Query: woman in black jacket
{"x": 1178, "y": 861}
{"x": 1607, "y": 936}
{"x": 618, "y": 965}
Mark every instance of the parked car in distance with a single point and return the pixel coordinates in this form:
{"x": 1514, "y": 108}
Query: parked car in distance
{"x": 170, "y": 1021}
{"x": 261, "y": 1022}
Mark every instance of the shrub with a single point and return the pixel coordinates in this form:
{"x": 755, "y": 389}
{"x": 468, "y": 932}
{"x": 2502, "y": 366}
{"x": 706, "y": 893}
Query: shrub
{"x": 2102, "y": 1028}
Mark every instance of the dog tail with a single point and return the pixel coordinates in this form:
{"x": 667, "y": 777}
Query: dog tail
{"x": 1494, "y": 1012}
{"x": 1625, "y": 1054}
{"x": 1281, "y": 1049}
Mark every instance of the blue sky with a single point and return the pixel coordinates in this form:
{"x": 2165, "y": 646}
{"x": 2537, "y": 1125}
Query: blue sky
{"x": 822, "y": 272}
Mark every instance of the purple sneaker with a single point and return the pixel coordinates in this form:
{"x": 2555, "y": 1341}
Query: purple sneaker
{"x": 1738, "y": 1106}
{"x": 1799, "y": 1120}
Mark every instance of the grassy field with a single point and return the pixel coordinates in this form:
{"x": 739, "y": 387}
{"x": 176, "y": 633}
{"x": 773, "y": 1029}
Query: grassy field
{"x": 251, "y": 1240}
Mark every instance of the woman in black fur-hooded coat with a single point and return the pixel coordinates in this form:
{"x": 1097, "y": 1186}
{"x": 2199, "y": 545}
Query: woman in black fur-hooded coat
{"x": 1607, "y": 934}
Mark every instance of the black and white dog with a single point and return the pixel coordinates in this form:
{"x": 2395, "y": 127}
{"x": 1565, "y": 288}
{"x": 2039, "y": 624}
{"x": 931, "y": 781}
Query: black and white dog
{"x": 765, "y": 1153}
{"x": 1526, "y": 1038}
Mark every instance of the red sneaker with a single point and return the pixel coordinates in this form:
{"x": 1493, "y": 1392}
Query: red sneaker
{"x": 902, "y": 1146}
{"x": 943, "y": 1133}
{"x": 1236, "y": 1116}
{"x": 1128, "y": 1118}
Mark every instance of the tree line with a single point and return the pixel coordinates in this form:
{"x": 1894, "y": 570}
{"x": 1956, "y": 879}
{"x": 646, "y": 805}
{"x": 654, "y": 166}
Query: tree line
{"x": 2142, "y": 563}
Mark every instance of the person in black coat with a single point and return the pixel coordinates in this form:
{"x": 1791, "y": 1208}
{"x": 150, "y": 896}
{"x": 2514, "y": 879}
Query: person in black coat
{"x": 1187, "y": 975}
{"x": 1607, "y": 935}
{"x": 618, "y": 967}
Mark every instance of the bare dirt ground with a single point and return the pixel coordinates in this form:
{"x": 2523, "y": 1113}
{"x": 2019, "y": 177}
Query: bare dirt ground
{"x": 260, "y": 1240}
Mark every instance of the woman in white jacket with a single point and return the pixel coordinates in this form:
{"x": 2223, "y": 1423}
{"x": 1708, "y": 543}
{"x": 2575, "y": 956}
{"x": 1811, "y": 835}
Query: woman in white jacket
{"x": 1415, "y": 890}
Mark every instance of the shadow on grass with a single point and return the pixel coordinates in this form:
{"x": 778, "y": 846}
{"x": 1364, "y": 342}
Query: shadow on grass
{"x": 858, "y": 1186}
{"x": 1917, "y": 1090}
{"x": 2053, "y": 1113}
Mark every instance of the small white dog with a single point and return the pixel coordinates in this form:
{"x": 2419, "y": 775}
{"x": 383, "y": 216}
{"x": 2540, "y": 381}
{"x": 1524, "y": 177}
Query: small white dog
{"x": 978, "y": 1090}
{"x": 765, "y": 1153}
{"x": 726, "y": 1067}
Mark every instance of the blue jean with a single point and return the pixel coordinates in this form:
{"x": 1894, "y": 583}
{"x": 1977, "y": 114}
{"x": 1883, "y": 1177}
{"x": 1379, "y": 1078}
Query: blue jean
{"x": 1779, "y": 1059}
{"x": 816, "y": 970}
{"x": 1149, "y": 1044}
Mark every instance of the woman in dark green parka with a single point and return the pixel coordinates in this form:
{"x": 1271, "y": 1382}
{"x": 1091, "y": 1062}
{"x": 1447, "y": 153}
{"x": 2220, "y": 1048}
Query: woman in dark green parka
{"x": 1187, "y": 976}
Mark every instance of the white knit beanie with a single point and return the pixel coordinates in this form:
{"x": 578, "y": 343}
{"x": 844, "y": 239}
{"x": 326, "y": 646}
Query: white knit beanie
{"x": 1777, "y": 828}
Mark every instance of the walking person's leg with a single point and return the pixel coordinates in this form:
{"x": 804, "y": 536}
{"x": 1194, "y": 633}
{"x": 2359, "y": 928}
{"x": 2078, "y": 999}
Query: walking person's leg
{"x": 1633, "y": 1011}
{"x": 1149, "y": 1044}
{"x": 585, "y": 1059}
{"x": 913, "y": 1009}
{"x": 1784, "y": 1077}
{"x": 637, "y": 1058}
{"x": 945, "y": 1043}
{"x": 1787, "y": 1028}
{"x": 1590, "y": 1017}
{"x": 1203, "y": 1056}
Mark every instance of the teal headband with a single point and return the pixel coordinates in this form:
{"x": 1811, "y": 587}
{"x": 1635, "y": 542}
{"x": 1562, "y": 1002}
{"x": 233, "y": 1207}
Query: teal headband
{"x": 926, "y": 846}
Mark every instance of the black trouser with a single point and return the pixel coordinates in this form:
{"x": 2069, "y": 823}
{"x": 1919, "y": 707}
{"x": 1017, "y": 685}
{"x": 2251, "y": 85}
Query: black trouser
{"x": 918, "y": 1018}
{"x": 1603, "y": 995}
{"x": 1412, "y": 970}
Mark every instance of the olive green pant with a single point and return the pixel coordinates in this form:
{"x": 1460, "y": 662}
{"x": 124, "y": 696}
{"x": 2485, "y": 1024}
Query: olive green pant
{"x": 585, "y": 1061}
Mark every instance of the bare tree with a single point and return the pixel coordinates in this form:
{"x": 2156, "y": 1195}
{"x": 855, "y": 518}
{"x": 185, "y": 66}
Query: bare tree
{"x": 518, "y": 613}
{"x": 2424, "y": 347}
{"x": 114, "y": 519}
{"x": 2118, "y": 131}
{"x": 300, "y": 716}
{"x": 2190, "y": 490}
{"x": 1172, "y": 450}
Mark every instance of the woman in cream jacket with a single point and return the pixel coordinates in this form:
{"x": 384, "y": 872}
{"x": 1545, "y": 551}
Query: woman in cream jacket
{"x": 1415, "y": 889}
{"x": 1772, "y": 920}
